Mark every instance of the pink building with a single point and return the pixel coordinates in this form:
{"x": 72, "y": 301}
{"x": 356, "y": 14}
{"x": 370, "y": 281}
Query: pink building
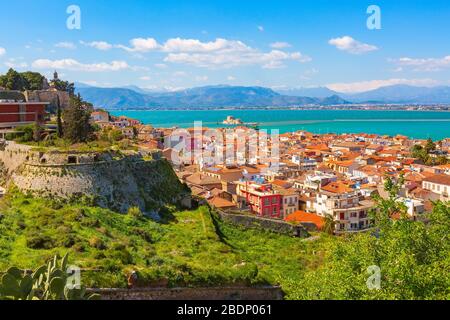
{"x": 261, "y": 199}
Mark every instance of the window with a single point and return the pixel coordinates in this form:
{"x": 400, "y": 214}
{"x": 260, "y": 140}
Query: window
{"x": 274, "y": 211}
{"x": 266, "y": 201}
{"x": 72, "y": 159}
{"x": 274, "y": 200}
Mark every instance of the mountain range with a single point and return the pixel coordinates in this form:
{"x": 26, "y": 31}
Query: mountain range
{"x": 223, "y": 96}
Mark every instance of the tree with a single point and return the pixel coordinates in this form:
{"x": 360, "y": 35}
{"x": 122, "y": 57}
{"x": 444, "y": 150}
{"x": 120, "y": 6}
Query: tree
{"x": 37, "y": 132}
{"x": 329, "y": 224}
{"x": 440, "y": 160}
{"x": 77, "y": 126}
{"x": 26, "y": 133}
{"x": 33, "y": 80}
{"x": 412, "y": 257}
{"x": 430, "y": 146}
{"x": 59, "y": 129}
{"x": 13, "y": 80}
{"x": 64, "y": 86}
{"x": 420, "y": 153}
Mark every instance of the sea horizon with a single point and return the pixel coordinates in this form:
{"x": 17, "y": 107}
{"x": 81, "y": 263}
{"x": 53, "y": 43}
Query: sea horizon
{"x": 414, "y": 124}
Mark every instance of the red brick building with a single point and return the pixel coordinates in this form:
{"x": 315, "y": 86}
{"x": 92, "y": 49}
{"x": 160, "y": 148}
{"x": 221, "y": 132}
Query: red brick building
{"x": 13, "y": 114}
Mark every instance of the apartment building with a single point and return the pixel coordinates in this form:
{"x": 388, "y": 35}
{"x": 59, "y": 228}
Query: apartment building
{"x": 345, "y": 205}
{"x": 439, "y": 184}
{"x": 289, "y": 203}
{"x": 260, "y": 199}
{"x": 305, "y": 163}
{"x": 14, "y": 114}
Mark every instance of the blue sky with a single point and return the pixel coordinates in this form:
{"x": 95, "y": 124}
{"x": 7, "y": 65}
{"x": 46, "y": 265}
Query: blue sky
{"x": 279, "y": 44}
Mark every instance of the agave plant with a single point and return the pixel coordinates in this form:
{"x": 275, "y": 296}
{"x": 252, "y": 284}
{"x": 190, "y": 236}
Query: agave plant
{"x": 48, "y": 282}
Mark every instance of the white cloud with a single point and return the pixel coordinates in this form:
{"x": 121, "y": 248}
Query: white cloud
{"x": 194, "y": 45}
{"x": 145, "y": 78}
{"x": 280, "y": 45}
{"x": 425, "y": 64}
{"x": 99, "y": 45}
{"x": 2, "y": 51}
{"x": 261, "y": 28}
{"x": 350, "y": 45}
{"x": 141, "y": 45}
{"x": 220, "y": 53}
{"x": 176, "y": 45}
{"x": 227, "y": 59}
{"x": 354, "y": 87}
{"x": 231, "y": 78}
{"x": 74, "y": 65}
{"x": 66, "y": 45}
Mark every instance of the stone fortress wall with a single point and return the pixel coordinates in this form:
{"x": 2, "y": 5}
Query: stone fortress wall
{"x": 50, "y": 96}
{"x": 113, "y": 180}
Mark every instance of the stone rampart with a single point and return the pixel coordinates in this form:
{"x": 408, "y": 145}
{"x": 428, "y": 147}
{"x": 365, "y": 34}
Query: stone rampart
{"x": 114, "y": 180}
{"x": 277, "y": 226}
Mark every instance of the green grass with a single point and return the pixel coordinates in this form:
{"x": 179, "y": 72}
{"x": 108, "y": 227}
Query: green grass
{"x": 187, "y": 248}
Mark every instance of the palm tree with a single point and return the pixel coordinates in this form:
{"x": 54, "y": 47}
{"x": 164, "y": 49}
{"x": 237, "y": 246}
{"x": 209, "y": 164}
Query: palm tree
{"x": 329, "y": 224}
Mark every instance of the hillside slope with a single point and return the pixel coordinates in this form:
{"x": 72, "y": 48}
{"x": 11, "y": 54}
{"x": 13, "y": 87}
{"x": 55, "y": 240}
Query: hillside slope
{"x": 185, "y": 248}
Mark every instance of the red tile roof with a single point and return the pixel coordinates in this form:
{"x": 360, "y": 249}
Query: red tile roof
{"x": 302, "y": 216}
{"x": 439, "y": 179}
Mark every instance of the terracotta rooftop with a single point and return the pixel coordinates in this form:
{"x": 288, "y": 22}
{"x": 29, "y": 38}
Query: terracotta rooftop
{"x": 219, "y": 202}
{"x": 439, "y": 179}
{"x": 302, "y": 216}
{"x": 201, "y": 179}
{"x": 337, "y": 187}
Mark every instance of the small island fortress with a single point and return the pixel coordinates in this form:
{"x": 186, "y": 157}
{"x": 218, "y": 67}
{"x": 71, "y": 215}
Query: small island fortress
{"x": 232, "y": 120}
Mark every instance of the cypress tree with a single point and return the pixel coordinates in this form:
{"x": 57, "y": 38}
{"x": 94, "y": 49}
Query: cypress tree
{"x": 77, "y": 126}
{"x": 58, "y": 118}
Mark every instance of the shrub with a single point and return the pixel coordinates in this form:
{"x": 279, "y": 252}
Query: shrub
{"x": 35, "y": 240}
{"x": 124, "y": 144}
{"x": 97, "y": 243}
{"x": 135, "y": 212}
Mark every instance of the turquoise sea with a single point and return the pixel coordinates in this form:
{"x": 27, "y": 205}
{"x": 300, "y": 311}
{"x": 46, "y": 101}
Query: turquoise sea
{"x": 415, "y": 124}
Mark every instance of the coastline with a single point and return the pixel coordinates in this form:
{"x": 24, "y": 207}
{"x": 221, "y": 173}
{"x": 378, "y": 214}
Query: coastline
{"x": 416, "y": 124}
{"x": 284, "y": 109}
